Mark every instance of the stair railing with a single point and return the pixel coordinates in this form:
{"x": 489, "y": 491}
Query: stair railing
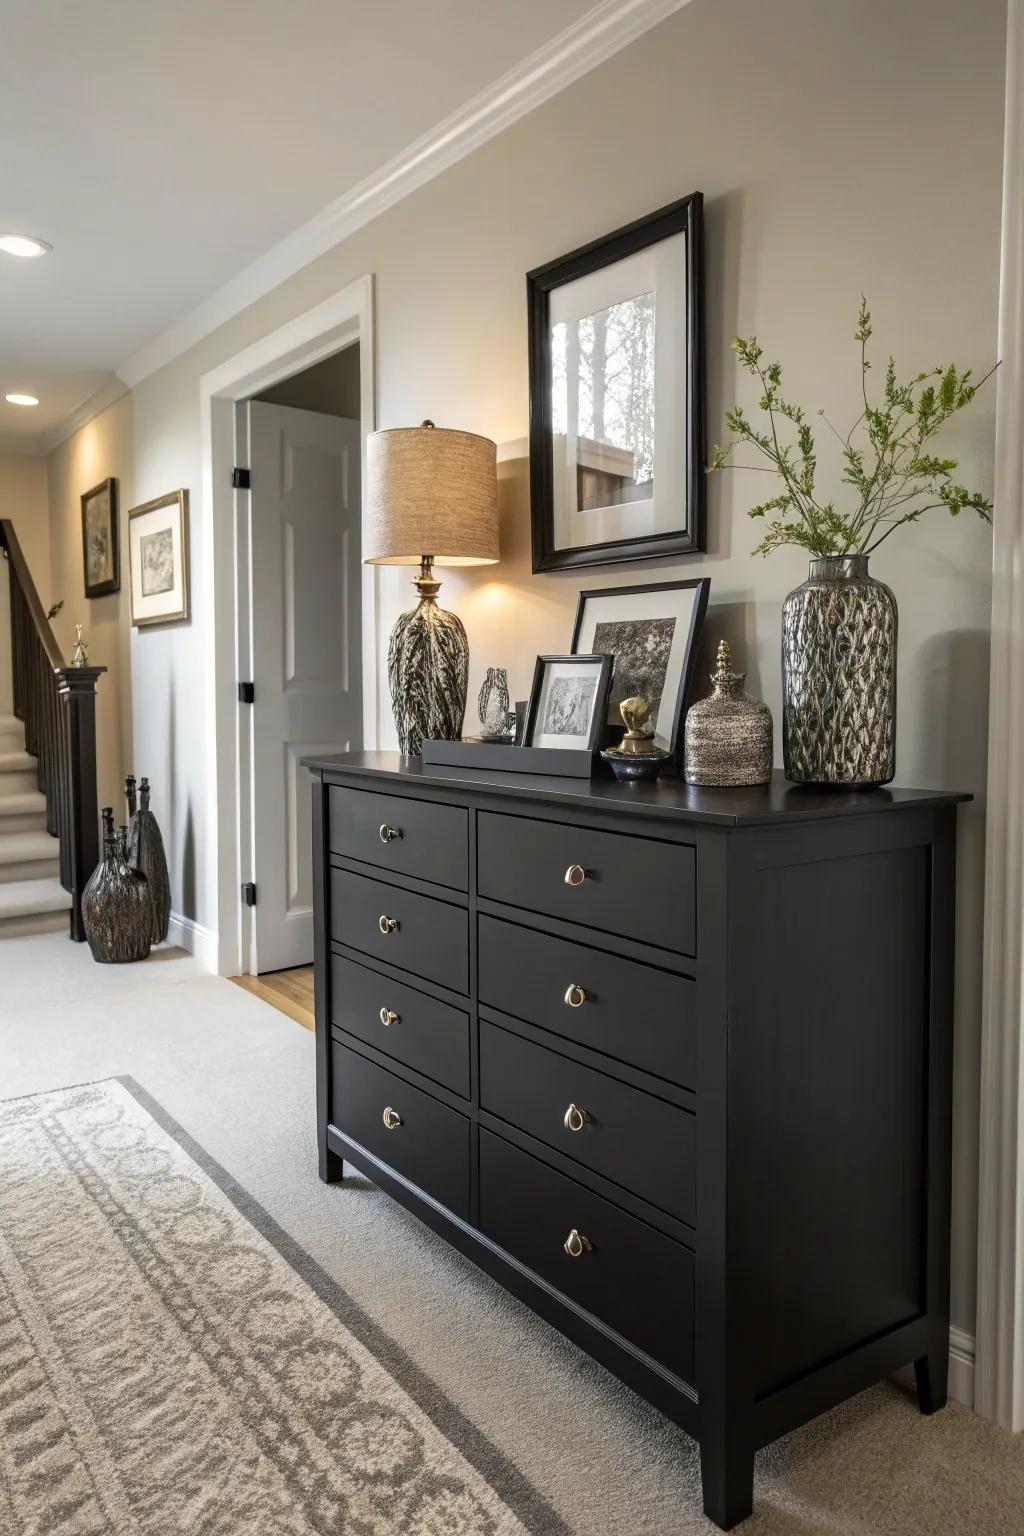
{"x": 56, "y": 703}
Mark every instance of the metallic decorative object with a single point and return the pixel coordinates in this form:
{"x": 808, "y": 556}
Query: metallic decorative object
{"x": 81, "y": 656}
{"x": 575, "y": 1118}
{"x": 429, "y": 490}
{"x": 392, "y": 1119}
{"x": 496, "y": 719}
{"x": 575, "y": 995}
{"x": 576, "y": 1245}
{"x": 636, "y": 759}
{"x": 839, "y": 676}
{"x": 117, "y": 910}
{"x": 728, "y": 734}
{"x": 146, "y": 853}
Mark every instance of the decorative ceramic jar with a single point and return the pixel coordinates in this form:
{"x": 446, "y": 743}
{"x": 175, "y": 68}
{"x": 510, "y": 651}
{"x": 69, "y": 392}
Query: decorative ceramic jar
{"x": 839, "y": 676}
{"x": 636, "y": 759}
{"x": 146, "y": 853}
{"x": 117, "y": 912}
{"x": 728, "y": 736}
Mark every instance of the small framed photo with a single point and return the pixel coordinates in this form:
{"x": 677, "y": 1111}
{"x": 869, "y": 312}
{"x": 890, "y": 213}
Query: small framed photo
{"x": 652, "y": 633}
{"x": 568, "y": 702}
{"x": 101, "y": 550}
{"x": 158, "y": 559}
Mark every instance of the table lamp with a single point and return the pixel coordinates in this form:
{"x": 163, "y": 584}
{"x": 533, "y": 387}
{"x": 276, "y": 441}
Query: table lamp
{"x": 431, "y": 499}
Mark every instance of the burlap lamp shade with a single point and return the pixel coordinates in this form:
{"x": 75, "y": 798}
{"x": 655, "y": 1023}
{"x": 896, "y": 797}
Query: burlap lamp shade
{"x": 431, "y": 497}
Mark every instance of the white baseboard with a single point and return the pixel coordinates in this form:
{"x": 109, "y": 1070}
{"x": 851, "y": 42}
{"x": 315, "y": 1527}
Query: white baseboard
{"x": 197, "y": 940}
{"x": 961, "y": 1366}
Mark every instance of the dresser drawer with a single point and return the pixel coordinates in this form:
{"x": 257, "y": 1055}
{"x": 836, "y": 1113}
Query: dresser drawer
{"x": 426, "y": 1035}
{"x": 634, "y": 886}
{"x": 640, "y": 1142}
{"x": 429, "y": 937}
{"x": 414, "y": 837}
{"x": 633, "y": 1012}
{"x": 429, "y": 1143}
{"x": 634, "y": 1279}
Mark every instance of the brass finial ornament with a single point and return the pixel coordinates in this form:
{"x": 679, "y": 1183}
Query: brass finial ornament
{"x": 728, "y": 735}
{"x": 81, "y": 656}
{"x": 636, "y": 759}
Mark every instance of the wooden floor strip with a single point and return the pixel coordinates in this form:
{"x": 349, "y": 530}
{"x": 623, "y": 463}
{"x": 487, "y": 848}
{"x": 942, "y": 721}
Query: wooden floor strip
{"x": 290, "y": 992}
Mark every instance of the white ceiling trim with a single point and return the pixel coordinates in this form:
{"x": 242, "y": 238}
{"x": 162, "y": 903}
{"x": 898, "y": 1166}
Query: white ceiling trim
{"x": 602, "y": 32}
{"x": 81, "y": 415}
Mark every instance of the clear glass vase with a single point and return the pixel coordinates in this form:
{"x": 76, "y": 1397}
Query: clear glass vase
{"x": 492, "y": 704}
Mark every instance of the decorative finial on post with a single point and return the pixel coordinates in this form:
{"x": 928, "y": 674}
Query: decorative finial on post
{"x": 81, "y": 656}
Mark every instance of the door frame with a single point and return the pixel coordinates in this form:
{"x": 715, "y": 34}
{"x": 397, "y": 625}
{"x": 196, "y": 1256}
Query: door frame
{"x": 329, "y": 327}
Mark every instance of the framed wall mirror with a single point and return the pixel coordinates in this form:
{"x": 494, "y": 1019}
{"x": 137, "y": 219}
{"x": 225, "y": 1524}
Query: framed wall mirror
{"x": 617, "y": 395}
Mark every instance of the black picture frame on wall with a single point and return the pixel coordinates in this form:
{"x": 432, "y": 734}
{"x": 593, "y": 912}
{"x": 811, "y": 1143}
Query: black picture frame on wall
{"x": 101, "y": 545}
{"x": 642, "y": 614}
{"x": 684, "y": 217}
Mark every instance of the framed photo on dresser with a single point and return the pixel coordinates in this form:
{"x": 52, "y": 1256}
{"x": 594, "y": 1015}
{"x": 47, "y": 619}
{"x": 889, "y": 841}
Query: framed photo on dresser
{"x": 652, "y": 633}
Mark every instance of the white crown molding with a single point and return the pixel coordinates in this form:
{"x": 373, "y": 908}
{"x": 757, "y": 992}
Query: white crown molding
{"x": 75, "y": 420}
{"x": 602, "y": 32}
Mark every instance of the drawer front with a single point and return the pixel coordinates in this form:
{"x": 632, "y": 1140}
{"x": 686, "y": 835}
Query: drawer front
{"x": 426, "y": 1035}
{"x": 430, "y": 1142}
{"x": 414, "y": 837}
{"x": 640, "y": 1142}
{"x": 634, "y": 886}
{"x": 633, "y": 1012}
{"x": 430, "y": 937}
{"x": 634, "y": 1279}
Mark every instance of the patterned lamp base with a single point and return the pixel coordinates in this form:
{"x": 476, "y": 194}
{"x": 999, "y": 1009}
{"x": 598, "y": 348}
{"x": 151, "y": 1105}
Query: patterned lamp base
{"x": 428, "y": 670}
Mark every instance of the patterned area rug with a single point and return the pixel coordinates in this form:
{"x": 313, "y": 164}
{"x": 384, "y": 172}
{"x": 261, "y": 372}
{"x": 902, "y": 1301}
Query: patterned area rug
{"x": 170, "y": 1362}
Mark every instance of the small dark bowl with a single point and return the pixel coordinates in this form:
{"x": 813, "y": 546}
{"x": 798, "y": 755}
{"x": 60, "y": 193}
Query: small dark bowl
{"x": 633, "y": 768}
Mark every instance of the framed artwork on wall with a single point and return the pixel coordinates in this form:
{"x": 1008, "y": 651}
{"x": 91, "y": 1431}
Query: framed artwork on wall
{"x": 651, "y": 632}
{"x": 616, "y": 334}
{"x": 158, "y": 560}
{"x": 101, "y": 549}
{"x": 568, "y": 702}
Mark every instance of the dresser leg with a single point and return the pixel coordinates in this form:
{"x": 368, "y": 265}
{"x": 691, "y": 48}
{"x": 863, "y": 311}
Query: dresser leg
{"x": 727, "y": 1478}
{"x": 932, "y": 1372}
{"x": 332, "y": 1167}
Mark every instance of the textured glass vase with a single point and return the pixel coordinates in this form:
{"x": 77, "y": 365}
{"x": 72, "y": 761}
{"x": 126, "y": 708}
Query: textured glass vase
{"x": 117, "y": 912}
{"x": 496, "y": 719}
{"x": 839, "y": 676}
{"x": 146, "y": 853}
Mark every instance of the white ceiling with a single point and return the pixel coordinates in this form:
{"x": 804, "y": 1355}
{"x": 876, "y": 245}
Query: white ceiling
{"x": 163, "y": 145}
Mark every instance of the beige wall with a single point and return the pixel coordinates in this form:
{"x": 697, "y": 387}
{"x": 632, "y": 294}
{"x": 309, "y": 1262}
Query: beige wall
{"x": 101, "y": 448}
{"x": 23, "y": 500}
{"x": 842, "y": 147}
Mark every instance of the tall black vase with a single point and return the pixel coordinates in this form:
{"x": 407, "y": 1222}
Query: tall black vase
{"x": 117, "y": 912}
{"x": 146, "y": 853}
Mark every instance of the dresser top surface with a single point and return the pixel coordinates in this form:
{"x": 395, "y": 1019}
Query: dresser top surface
{"x": 776, "y": 803}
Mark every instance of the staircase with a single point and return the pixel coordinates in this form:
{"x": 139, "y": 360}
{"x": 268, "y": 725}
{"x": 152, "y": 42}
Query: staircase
{"x": 48, "y": 821}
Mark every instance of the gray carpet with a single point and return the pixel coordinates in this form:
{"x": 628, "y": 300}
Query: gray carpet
{"x": 239, "y": 1077}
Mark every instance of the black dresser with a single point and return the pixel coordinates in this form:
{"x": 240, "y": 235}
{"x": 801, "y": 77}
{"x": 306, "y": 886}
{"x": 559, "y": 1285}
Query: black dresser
{"x": 673, "y": 1064}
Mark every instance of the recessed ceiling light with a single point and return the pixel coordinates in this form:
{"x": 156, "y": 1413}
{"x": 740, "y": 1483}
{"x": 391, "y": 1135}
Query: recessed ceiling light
{"x": 23, "y": 245}
{"x": 21, "y": 399}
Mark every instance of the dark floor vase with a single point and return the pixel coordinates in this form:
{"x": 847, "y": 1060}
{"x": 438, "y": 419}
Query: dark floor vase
{"x": 117, "y": 911}
{"x": 146, "y": 853}
{"x": 839, "y": 676}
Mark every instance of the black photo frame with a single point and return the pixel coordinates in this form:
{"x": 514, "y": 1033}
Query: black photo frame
{"x": 620, "y": 596}
{"x": 101, "y": 545}
{"x": 600, "y": 706}
{"x": 682, "y": 217}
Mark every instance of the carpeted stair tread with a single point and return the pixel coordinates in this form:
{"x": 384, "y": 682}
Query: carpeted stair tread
{"x": 27, "y": 898}
{"x": 16, "y": 762}
{"x": 23, "y": 847}
{"x": 28, "y": 802}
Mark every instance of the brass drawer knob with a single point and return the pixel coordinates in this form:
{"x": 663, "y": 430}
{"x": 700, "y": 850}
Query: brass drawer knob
{"x": 576, "y": 1245}
{"x": 392, "y": 1119}
{"x": 387, "y": 924}
{"x": 388, "y": 1016}
{"x": 575, "y": 874}
{"x": 575, "y": 1119}
{"x": 575, "y": 996}
{"x": 388, "y": 834}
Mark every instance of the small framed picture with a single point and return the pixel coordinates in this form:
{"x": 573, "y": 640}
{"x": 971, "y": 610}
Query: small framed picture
{"x": 568, "y": 702}
{"x": 101, "y": 550}
{"x": 158, "y": 559}
{"x": 652, "y": 633}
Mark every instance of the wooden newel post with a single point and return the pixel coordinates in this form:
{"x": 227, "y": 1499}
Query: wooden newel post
{"x": 77, "y": 689}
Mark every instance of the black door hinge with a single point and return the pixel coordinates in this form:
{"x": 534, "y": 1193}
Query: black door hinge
{"x": 247, "y": 693}
{"x": 240, "y": 480}
{"x": 249, "y": 893}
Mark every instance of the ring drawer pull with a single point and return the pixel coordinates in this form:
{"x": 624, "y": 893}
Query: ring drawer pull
{"x": 392, "y": 1119}
{"x": 387, "y": 924}
{"x": 575, "y": 1119}
{"x": 575, "y": 874}
{"x": 575, "y": 995}
{"x": 576, "y": 1245}
{"x": 388, "y": 1016}
{"x": 388, "y": 834}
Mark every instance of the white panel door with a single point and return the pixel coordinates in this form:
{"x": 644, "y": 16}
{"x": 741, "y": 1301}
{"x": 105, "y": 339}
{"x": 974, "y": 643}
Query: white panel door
{"x": 306, "y": 650}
